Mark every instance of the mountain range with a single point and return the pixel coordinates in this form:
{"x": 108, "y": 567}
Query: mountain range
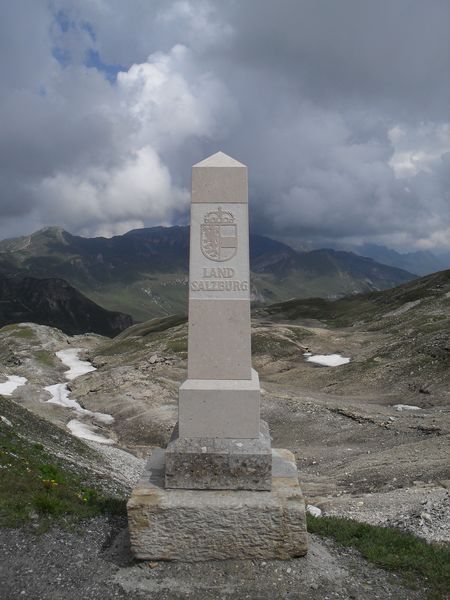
{"x": 145, "y": 271}
{"x": 421, "y": 262}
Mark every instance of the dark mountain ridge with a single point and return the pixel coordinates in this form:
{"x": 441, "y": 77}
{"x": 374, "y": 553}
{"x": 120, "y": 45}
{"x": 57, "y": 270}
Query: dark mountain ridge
{"x": 56, "y": 303}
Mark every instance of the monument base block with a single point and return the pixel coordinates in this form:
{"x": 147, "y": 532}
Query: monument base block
{"x": 219, "y": 464}
{"x": 194, "y": 525}
{"x": 220, "y": 408}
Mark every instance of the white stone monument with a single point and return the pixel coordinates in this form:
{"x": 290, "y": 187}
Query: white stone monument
{"x": 219, "y": 490}
{"x": 220, "y": 442}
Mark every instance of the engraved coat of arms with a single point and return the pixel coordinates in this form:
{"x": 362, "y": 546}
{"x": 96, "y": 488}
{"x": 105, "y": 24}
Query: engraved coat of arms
{"x": 218, "y": 235}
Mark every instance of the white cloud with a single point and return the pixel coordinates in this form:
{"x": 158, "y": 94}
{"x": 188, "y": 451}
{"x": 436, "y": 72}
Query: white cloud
{"x": 418, "y": 148}
{"x": 102, "y": 149}
{"x": 168, "y": 99}
{"x": 102, "y": 199}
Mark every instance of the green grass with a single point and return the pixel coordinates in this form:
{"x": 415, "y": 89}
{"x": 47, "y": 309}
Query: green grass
{"x": 269, "y": 344}
{"x": 44, "y": 358}
{"x": 415, "y": 559}
{"x": 20, "y": 332}
{"x": 36, "y": 486}
{"x": 24, "y": 333}
{"x": 178, "y": 345}
{"x": 139, "y": 335}
{"x": 152, "y": 326}
{"x": 126, "y": 346}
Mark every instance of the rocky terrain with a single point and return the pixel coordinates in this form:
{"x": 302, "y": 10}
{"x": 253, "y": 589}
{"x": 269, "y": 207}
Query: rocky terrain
{"x": 371, "y": 438}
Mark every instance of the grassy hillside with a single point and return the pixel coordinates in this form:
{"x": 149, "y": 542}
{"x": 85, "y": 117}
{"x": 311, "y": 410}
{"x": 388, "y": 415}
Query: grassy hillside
{"x": 431, "y": 292}
{"x": 46, "y": 474}
{"x": 410, "y": 326}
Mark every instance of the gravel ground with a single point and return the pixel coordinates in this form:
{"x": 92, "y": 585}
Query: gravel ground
{"x": 94, "y": 563}
{"x": 124, "y": 467}
{"x": 424, "y": 511}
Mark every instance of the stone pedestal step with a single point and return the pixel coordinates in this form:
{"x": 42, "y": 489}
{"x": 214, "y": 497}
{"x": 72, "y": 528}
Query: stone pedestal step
{"x": 199, "y": 525}
{"x": 219, "y": 464}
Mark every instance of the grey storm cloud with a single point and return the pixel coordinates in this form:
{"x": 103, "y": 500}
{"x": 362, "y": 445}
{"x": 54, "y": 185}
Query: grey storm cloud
{"x": 340, "y": 110}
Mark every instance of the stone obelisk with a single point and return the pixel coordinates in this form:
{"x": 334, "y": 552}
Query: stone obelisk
{"x": 220, "y": 442}
{"x": 218, "y": 491}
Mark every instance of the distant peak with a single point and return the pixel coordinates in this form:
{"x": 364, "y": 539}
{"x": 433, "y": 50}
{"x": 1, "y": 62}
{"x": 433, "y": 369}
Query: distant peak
{"x": 219, "y": 159}
{"x": 49, "y": 229}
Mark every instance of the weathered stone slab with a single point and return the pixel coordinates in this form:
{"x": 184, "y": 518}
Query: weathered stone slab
{"x": 219, "y": 464}
{"x": 228, "y": 408}
{"x": 219, "y": 345}
{"x": 193, "y": 525}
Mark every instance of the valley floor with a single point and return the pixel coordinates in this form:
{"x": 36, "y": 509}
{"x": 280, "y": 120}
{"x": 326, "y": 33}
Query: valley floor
{"x": 359, "y": 456}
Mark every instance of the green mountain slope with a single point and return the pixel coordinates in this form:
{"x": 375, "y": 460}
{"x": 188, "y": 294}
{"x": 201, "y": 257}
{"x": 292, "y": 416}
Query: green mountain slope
{"x": 54, "y": 302}
{"x": 411, "y": 323}
{"x": 144, "y": 272}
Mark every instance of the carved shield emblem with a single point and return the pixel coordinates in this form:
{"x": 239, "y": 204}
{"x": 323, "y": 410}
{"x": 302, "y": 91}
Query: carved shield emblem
{"x": 218, "y": 235}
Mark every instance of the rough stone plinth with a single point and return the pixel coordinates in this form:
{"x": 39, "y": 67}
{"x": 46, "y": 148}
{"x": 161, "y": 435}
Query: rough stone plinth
{"x": 220, "y": 408}
{"x": 193, "y": 525}
{"x": 219, "y": 464}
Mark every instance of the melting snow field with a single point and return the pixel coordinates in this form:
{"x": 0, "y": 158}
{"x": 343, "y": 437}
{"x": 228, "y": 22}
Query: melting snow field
{"x": 60, "y": 395}
{"x": 13, "y": 382}
{"x": 315, "y": 511}
{"x": 327, "y": 360}
{"x": 76, "y": 366}
{"x": 87, "y": 432}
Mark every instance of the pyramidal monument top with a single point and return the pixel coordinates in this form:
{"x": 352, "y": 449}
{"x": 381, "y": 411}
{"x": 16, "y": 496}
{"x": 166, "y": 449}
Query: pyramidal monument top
{"x": 219, "y": 178}
{"x": 219, "y": 159}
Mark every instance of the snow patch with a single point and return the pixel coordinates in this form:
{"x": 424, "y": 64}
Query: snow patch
{"x": 76, "y": 366}
{"x": 314, "y": 510}
{"x": 60, "y": 395}
{"x": 328, "y": 360}
{"x": 5, "y": 421}
{"x": 87, "y": 432}
{"x": 12, "y": 383}
{"x": 402, "y": 407}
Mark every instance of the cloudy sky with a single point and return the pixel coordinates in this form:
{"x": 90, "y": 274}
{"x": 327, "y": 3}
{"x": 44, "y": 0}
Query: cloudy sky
{"x": 340, "y": 109}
